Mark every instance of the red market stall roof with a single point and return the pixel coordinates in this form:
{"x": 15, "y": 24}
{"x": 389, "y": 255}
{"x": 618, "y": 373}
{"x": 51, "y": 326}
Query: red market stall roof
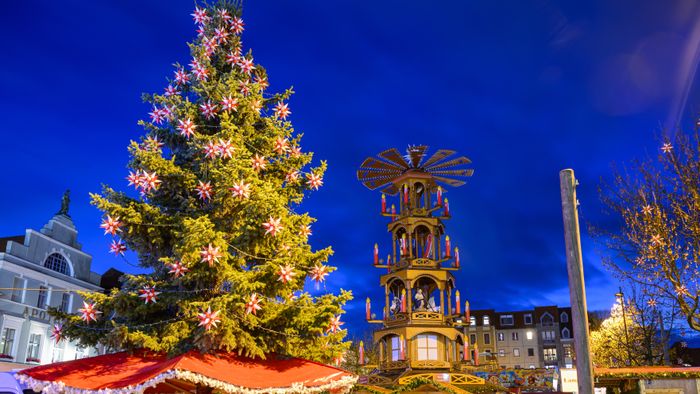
{"x": 126, "y": 373}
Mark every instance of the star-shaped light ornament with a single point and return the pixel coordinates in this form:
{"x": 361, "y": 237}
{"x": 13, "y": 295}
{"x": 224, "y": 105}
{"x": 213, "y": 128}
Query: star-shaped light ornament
{"x": 149, "y": 181}
{"x": 286, "y": 273}
{"x": 261, "y": 82}
{"x": 226, "y": 148}
{"x": 89, "y": 312}
{"x": 314, "y": 181}
{"x": 135, "y": 178}
{"x": 209, "y": 319}
{"x": 117, "y": 247}
{"x": 246, "y": 65}
{"x": 281, "y": 146}
{"x": 210, "y": 255}
{"x": 651, "y": 302}
{"x": 200, "y": 16}
{"x": 220, "y": 35}
{"x": 157, "y": 115}
{"x": 233, "y": 57}
{"x": 319, "y": 273}
{"x": 177, "y": 269}
{"x": 229, "y": 103}
{"x": 272, "y": 226}
{"x": 204, "y": 190}
{"x": 667, "y": 148}
{"x": 339, "y": 359}
{"x": 259, "y": 162}
{"x": 305, "y": 231}
{"x": 256, "y": 106}
{"x": 292, "y": 176}
{"x": 181, "y": 77}
{"x": 241, "y": 190}
{"x": 334, "y": 325}
{"x": 682, "y": 290}
{"x": 281, "y": 110}
{"x": 170, "y": 91}
{"x": 57, "y": 332}
{"x": 211, "y": 150}
{"x": 208, "y": 109}
{"x": 186, "y": 127}
{"x": 152, "y": 144}
{"x": 111, "y": 225}
{"x": 148, "y": 294}
{"x": 245, "y": 87}
{"x": 646, "y": 210}
{"x": 656, "y": 239}
{"x": 200, "y": 71}
{"x": 237, "y": 25}
{"x": 295, "y": 151}
{"x": 223, "y": 14}
{"x": 253, "y": 305}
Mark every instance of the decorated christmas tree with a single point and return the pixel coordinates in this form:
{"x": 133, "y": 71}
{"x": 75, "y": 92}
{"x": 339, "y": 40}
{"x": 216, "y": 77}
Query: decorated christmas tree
{"x": 219, "y": 176}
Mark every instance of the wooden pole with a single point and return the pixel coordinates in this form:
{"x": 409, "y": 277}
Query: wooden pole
{"x": 577, "y": 287}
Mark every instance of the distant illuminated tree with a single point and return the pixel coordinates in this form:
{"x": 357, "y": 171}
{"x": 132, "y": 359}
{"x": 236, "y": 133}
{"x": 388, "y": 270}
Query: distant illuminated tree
{"x": 658, "y": 244}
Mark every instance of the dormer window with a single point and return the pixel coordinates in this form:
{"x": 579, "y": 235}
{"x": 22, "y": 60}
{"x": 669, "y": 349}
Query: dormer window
{"x": 564, "y": 317}
{"x": 547, "y": 319}
{"x": 56, "y": 262}
{"x": 507, "y": 320}
{"x": 486, "y": 321}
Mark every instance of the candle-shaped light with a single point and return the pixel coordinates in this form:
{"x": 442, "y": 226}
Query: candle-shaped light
{"x": 448, "y": 247}
{"x": 439, "y": 195}
{"x": 383, "y": 203}
{"x": 405, "y": 194}
{"x": 403, "y": 300}
{"x": 476, "y": 354}
{"x": 458, "y": 304}
{"x": 388, "y": 263}
{"x": 456, "y": 257}
{"x": 403, "y": 244}
{"x": 447, "y": 208}
{"x": 467, "y": 312}
{"x": 465, "y": 353}
{"x": 393, "y": 212}
{"x": 368, "y": 308}
{"x": 376, "y": 254}
{"x": 402, "y": 347}
{"x": 361, "y": 352}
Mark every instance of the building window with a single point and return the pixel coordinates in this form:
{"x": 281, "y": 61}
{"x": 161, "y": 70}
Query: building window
{"x": 487, "y": 339}
{"x": 528, "y": 335}
{"x": 565, "y": 333}
{"x": 506, "y": 320}
{"x": 486, "y": 321}
{"x": 395, "y": 349}
{"x": 516, "y": 352}
{"x": 17, "y": 289}
{"x": 472, "y": 338}
{"x": 528, "y": 318}
{"x": 550, "y": 355}
{"x": 33, "y": 348}
{"x": 56, "y": 262}
{"x": 58, "y": 351}
{"x": 514, "y": 336}
{"x": 530, "y": 352}
{"x": 501, "y": 353}
{"x": 547, "y": 319}
{"x": 548, "y": 335}
{"x": 65, "y": 302}
{"x": 472, "y": 321}
{"x": 564, "y": 317}
{"x": 427, "y": 347}
{"x": 501, "y": 337}
{"x": 41, "y": 300}
{"x": 7, "y": 341}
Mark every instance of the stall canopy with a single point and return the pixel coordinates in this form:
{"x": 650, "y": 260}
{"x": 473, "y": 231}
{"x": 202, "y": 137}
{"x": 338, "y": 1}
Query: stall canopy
{"x": 126, "y": 373}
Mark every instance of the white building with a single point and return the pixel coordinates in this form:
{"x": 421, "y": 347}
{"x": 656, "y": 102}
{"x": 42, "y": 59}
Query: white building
{"x": 37, "y": 270}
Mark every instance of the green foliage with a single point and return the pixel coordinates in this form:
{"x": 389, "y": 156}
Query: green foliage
{"x": 171, "y": 223}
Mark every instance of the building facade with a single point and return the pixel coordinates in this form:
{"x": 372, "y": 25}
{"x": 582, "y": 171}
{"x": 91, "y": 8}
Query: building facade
{"x": 537, "y": 338}
{"x": 42, "y": 269}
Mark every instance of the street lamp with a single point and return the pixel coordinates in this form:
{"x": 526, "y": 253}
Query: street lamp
{"x": 621, "y": 296}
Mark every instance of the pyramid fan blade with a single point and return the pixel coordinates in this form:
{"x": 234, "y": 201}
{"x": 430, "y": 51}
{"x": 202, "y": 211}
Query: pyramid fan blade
{"x": 450, "y": 163}
{"x": 449, "y": 181}
{"x": 394, "y": 156}
{"x": 390, "y": 190}
{"x": 437, "y": 156}
{"x": 374, "y": 184}
{"x": 466, "y": 172}
{"x": 416, "y": 153}
{"x": 372, "y": 162}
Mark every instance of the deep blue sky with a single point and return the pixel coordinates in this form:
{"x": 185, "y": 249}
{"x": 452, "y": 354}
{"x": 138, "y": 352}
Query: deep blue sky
{"x": 523, "y": 88}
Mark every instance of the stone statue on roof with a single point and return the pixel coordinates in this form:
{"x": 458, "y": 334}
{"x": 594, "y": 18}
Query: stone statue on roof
{"x": 65, "y": 202}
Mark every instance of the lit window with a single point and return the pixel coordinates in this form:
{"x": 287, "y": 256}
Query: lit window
{"x": 514, "y": 336}
{"x": 501, "y": 337}
{"x": 395, "y": 349}
{"x": 56, "y": 262}
{"x": 472, "y": 321}
{"x": 550, "y": 355}
{"x": 486, "y": 320}
{"x": 501, "y": 353}
{"x": 427, "y": 346}
{"x": 528, "y": 335}
{"x": 516, "y": 352}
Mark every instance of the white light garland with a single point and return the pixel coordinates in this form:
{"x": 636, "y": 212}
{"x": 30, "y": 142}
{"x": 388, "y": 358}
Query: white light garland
{"x": 342, "y": 385}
